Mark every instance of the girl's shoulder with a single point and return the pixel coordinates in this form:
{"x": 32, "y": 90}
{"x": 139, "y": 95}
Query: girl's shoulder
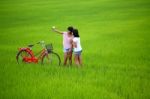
{"x": 76, "y": 38}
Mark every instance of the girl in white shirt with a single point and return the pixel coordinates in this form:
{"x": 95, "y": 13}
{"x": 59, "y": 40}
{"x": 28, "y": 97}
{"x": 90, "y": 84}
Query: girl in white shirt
{"x": 77, "y": 47}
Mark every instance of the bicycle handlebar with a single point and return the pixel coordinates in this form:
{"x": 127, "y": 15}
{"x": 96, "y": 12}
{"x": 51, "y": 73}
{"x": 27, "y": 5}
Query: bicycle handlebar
{"x": 40, "y": 42}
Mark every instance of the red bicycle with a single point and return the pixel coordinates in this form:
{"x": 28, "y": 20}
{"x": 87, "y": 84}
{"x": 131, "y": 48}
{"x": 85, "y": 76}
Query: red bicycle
{"x": 46, "y": 55}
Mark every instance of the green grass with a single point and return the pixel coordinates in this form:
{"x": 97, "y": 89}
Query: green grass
{"x": 116, "y": 48}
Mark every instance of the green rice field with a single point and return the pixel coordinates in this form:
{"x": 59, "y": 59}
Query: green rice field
{"x": 115, "y": 37}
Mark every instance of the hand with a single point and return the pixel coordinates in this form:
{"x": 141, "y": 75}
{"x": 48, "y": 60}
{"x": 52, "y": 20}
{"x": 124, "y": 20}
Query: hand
{"x": 70, "y": 50}
{"x": 54, "y": 28}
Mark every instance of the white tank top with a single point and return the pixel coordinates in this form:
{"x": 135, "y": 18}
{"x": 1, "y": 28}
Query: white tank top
{"x": 77, "y": 41}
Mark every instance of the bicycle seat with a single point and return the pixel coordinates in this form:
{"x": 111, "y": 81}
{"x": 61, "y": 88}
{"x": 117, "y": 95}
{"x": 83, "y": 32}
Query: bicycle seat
{"x": 30, "y": 45}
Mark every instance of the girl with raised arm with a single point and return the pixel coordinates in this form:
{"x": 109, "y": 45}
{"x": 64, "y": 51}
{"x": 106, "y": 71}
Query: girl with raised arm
{"x": 67, "y": 43}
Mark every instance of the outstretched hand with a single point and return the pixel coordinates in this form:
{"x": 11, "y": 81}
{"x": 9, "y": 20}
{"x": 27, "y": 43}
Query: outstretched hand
{"x": 54, "y": 28}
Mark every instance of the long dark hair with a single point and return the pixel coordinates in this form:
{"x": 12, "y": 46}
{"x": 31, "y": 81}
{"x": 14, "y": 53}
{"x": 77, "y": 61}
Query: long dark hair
{"x": 76, "y": 33}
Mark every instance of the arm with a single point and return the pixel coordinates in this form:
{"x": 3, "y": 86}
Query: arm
{"x": 57, "y": 31}
{"x": 74, "y": 44}
{"x": 71, "y": 45}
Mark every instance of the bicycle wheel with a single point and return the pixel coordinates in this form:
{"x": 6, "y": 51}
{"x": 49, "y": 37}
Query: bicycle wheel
{"x": 51, "y": 59}
{"x": 21, "y": 55}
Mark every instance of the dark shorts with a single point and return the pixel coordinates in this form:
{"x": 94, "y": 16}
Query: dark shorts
{"x": 78, "y": 53}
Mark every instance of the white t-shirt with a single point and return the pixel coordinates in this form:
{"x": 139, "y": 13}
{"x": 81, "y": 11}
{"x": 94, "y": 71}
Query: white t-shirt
{"x": 77, "y": 41}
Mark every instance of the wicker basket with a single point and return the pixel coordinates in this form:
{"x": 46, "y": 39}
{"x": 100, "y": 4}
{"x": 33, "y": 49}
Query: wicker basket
{"x": 49, "y": 47}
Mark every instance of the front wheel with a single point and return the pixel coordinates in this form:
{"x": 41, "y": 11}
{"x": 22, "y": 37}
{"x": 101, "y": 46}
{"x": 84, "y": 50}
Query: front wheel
{"x": 51, "y": 58}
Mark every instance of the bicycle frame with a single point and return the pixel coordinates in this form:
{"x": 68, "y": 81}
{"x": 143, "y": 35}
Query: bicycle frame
{"x": 33, "y": 58}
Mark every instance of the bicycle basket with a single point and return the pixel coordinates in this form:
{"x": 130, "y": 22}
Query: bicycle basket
{"x": 49, "y": 47}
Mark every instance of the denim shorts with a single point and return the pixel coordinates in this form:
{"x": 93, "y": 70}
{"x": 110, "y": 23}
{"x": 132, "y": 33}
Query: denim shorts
{"x": 78, "y": 53}
{"x": 66, "y": 50}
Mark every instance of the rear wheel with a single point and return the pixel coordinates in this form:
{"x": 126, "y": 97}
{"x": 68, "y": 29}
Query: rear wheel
{"x": 51, "y": 59}
{"x": 21, "y": 55}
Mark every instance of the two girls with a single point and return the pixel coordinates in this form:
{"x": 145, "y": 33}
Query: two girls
{"x": 71, "y": 41}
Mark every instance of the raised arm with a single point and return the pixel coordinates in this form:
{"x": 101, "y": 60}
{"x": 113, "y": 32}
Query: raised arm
{"x": 57, "y": 31}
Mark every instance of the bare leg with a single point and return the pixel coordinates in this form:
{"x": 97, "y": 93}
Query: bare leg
{"x": 76, "y": 60}
{"x": 65, "y": 58}
{"x": 80, "y": 60}
{"x": 70, "y": 58}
